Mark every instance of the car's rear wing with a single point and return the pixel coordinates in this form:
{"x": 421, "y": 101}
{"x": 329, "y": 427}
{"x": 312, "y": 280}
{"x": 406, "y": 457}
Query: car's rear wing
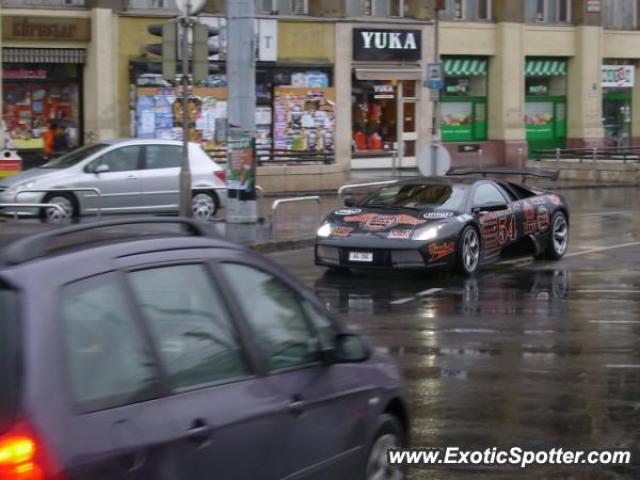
{"x": 524, "y": 172}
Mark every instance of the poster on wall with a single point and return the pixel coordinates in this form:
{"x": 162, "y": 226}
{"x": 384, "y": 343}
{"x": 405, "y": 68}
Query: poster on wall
{"x": 304, "y": 119}
{"x": 457, "y": 121}
{"x": 618, "y": 76}
{"x": 241, "y": 172}
{"x": 159, "y": 114}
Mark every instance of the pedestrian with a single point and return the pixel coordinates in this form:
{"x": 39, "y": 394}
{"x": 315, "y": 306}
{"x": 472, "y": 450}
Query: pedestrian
{"x": 48, "y": 140}
{"x": 61, "y": 140}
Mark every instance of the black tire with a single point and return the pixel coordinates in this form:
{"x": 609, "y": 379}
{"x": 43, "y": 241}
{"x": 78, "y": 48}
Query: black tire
{"x": 204, "y": 205}
{"x": 389, "y": 434}
{"x": 558, "y": 239}
{"x": 69, "y": 203}
{"x": 469, "y": 245}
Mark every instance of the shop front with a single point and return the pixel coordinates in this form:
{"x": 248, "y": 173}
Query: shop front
{"x": 463, "y": 109}
{"x": 384, "y": 97}
{"x": 546, "y": 103}
{"x": 618, "y": 81}
{"x": 43, "y": 86}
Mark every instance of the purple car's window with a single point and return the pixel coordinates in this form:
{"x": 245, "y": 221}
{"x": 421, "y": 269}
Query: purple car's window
{"x": 419, "y": 196}
{"x": 9, "y": 351}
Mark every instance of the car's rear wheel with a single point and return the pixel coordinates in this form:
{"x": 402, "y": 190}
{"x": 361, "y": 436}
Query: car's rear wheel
{"x": 204, "y": 205}
{"x": 558, "y": 240}
{"x": 68, "y": 211}
{"x": 389, "y": 436}
{"x": 469, "y": 251}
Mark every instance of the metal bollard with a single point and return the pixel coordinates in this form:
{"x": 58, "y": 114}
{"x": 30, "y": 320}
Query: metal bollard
{"x": 394, "y": 163}
{"x": 520, "y": 151}
{"x": 479, "y": 158}
{"x": 558, "y": 155}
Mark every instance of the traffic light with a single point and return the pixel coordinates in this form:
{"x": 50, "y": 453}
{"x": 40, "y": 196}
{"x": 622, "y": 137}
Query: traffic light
{"x": 167, "y": 49}
{"x": 203, "y": 48}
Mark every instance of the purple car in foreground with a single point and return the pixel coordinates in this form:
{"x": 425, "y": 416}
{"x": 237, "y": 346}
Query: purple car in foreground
{"x": 142, "y": 349}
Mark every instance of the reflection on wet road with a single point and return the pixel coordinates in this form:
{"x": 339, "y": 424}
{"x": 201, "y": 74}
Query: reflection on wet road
{"x": 530, "y": 354}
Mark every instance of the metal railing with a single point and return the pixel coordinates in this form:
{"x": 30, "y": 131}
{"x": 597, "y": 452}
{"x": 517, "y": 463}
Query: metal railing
{"x": 276, "y": 205}
{"x": 279, "y": 157}
{"x": 32, "y": 205}
{"x": 60, "y": 190}
{"x": 624, "y": 154}
{"x": 351, "y": 186}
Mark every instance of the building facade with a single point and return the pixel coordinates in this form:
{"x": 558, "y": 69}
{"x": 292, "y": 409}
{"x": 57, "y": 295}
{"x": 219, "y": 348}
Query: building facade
{"x": 340, "y": 77}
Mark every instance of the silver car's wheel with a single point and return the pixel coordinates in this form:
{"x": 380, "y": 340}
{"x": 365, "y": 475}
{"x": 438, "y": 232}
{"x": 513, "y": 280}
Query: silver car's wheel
{"x": 378, "y": 467}
{"x": 469, "y": 250}
{"x": 55, "y": 215}
{"x": 204, "y": 206}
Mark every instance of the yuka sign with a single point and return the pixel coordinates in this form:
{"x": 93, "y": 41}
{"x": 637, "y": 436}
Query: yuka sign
{"x": 387, "y": 45}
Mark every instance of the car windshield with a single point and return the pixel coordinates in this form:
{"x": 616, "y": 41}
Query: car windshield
{"x": 8, "y": 349}
{"x": 73, "y": 158}
{"x": 418, "y": 196}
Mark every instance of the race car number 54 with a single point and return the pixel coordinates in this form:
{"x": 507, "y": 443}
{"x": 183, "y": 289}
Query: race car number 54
{"x": 360, "y": 257}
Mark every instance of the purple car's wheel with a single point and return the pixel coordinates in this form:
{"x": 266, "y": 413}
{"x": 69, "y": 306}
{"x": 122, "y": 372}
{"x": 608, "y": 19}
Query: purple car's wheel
{"x": 469, "y": 251}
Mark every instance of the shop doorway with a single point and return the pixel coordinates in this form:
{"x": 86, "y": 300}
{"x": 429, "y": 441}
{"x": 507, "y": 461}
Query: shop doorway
{"x": 617, "y": 116}
{"x": 407, "y": 127}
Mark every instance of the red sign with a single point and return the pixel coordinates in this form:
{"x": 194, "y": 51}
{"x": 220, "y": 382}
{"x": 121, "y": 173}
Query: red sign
{"x": 24, "y": 73}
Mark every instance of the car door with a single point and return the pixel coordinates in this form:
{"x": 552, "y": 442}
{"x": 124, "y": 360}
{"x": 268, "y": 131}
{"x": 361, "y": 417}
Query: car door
{"x": 328, "y": 403}
{"x": 160, "y": 178}
{"x": 498, "y": 227}
{"x": 227, "y": 421}
{"x": 115, "y": 425}
{"x": 116, "y": 174}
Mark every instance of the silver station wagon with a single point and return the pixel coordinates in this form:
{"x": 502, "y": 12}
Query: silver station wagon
{"x": 132, "y": 176}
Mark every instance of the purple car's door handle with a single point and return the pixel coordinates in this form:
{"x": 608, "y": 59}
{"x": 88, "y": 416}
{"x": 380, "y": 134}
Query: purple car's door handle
{"x": 296, "y": 405}
{"x": 199, "y": 433}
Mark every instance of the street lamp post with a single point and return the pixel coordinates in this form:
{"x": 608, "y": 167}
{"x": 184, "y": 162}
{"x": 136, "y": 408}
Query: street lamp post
{"x": 185, "y": 168}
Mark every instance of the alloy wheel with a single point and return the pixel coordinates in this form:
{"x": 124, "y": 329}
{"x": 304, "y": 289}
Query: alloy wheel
{"x": 470, "y": 250}
{"x": 378, "y": 467}
{"x": 203, "y": 206}
{"x": 55, "y": 215}
{"x": 560, "y": 234}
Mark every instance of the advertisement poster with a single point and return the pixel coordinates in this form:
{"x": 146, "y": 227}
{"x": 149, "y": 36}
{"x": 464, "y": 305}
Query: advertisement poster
{"x": 457, "y": 121}
{"x": 159, "y": 114}
{"x": 241, "y": 172}
{"x": 304, "y": 119}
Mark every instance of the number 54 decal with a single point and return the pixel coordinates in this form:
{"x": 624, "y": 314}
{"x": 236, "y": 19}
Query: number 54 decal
{"x": 506, "y": 229}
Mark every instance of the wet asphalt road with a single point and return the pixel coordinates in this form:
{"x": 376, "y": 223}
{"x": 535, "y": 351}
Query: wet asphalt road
{"x": 526, "y": 353}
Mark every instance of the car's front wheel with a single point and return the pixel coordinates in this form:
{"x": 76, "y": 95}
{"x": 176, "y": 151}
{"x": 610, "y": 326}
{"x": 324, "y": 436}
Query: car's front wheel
{"x": 204, "y": 205}
{"x": 67, "y": 211}
{"x": 469, "y": 250}
{"x": 389, "y": 436}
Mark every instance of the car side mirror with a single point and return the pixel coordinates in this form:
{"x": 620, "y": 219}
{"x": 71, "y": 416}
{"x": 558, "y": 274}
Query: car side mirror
{"x": 349, "y": 202}
{"x": 490, "y": 207}
{"x": 350, "y": 348}
{"x": 102, "y": 168}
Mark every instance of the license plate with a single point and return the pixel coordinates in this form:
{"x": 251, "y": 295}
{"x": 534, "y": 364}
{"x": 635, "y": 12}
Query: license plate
{"x": 360, "y": 257}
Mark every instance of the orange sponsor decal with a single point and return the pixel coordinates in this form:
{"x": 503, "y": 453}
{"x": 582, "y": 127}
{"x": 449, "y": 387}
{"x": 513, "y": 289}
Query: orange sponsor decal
{"x": 441, "y": 250}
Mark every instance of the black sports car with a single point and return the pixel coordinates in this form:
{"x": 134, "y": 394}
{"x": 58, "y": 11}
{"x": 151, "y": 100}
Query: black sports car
{"x": 448, "y": 221}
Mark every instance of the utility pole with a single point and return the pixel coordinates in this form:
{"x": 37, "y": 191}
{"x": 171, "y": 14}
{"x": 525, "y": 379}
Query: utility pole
{"x": 241, "y": 80}
{"x": 186, "y": 209}
{"x": 436, "y": 98}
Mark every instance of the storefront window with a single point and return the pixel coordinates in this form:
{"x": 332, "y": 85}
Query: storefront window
{"x": 546, "y": 103}
{"x": 618, "y": 80}
{"x": 374, "y": 113}
{"x": 548, "y": 11}
{"x": 464, "y": 99}
{"x": 37, "y": 95}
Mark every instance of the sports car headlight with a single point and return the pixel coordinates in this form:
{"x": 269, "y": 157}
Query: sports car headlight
{"x": 325, "y": 230}
{"x": 425, "y": 234}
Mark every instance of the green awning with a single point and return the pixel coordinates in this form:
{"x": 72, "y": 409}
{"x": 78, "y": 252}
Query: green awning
{"x": 545, "y": 68}
{"x": 465, "y": 67}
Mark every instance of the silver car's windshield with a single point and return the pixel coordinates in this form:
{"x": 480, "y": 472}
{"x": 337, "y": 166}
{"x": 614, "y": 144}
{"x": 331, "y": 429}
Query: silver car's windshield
{"x": 76, "y": 156}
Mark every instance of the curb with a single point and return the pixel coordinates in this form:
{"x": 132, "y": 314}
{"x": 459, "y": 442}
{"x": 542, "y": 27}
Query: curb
{"x": 281, "y": 246}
